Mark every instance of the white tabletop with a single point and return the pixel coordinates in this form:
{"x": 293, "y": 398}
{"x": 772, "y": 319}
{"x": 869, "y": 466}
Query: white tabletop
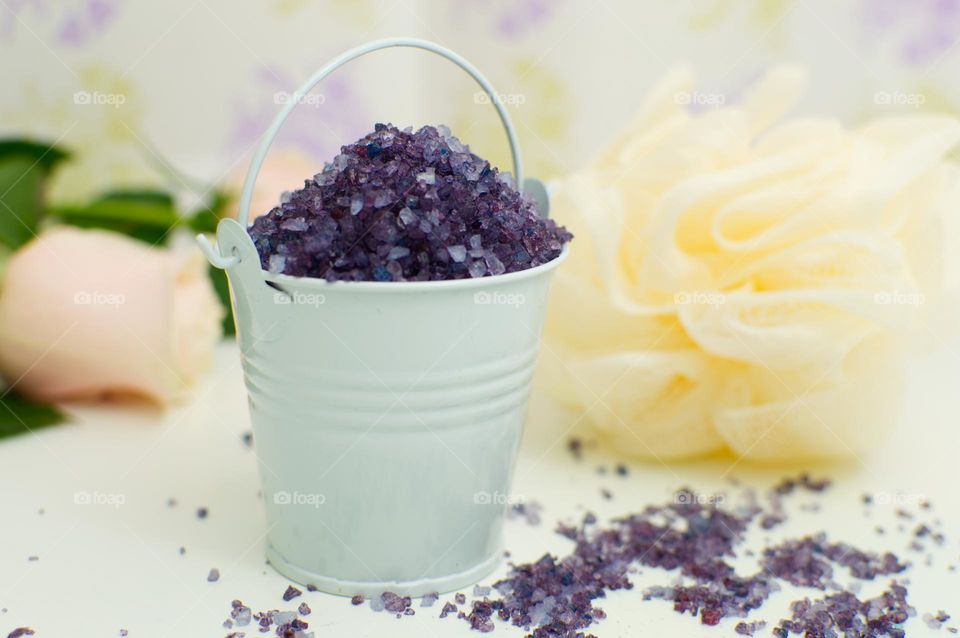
{"x": 115, "y": 562}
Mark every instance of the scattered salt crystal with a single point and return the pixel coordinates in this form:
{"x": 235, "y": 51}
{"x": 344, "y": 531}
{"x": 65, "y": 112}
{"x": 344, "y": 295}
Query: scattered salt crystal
{"x": 448, "y": 608}
{"x": 213, "y": 576}
{"x": 428, "y": 176}
{"x": 283, "y": 617}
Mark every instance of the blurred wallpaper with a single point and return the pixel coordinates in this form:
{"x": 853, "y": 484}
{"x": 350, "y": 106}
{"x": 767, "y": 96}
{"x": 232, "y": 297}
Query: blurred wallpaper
{"x": 145, "y": 89}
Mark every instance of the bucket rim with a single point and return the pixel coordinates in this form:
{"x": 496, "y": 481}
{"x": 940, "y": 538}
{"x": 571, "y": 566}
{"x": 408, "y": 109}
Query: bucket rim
{"x": 283, "y": 281}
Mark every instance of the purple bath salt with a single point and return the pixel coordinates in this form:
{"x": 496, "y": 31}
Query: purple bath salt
{"x": 406, "y": 206}
{"x": 395, "y": 603}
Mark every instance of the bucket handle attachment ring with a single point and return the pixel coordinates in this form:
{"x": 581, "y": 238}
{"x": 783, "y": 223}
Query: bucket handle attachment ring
{"x": 220, "y": 261}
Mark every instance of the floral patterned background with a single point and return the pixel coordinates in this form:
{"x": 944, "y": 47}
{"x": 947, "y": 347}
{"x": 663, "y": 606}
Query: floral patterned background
{"x": 138, "y": 86}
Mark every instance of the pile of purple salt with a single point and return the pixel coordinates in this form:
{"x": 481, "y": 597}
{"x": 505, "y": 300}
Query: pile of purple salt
{"x": 555, "y": 597}
{"x": 406, "y": 206}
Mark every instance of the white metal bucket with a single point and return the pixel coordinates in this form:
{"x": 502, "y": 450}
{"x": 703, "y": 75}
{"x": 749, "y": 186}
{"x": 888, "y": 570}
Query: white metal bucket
{"x": 386, "y": 416}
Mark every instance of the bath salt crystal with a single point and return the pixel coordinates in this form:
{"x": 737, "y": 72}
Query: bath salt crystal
{"x": 422, "y": 191}
{"x": 494, "y": 265}
{"x": 697, "y": 538}
{"x": 457, "y": 253}
{"x": 477, "y": 268}
{"x": 448, "y": 608}
{"x": 296, "y": 224}
{"x": 382, "y": 199}
{"x": 283, "y": 617}
{"x": 356, "y": 204}
{"x": 398, "y": 252}
{"x": 476, "y": 246}
{"x": 277, "y": 263}
{"x": 406, "y": 216}
{"x": 325, "y": 177}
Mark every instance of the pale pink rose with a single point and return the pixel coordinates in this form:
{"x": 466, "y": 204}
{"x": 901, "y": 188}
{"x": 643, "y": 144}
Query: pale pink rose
{"x": 283, "y": 170}
{"x": 90, "y": 313}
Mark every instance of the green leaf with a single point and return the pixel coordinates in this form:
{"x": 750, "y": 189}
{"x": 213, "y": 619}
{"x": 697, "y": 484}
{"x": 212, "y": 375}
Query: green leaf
{"x": 24, "y": 168}
{"x": 19, "y": 415}
{"x": 45, "y": 155}
{"x": 205, "y": 220}
{"x": 148, "y": 215}
{"x": 222, "y": 286}
{"x": 141, "y": 195}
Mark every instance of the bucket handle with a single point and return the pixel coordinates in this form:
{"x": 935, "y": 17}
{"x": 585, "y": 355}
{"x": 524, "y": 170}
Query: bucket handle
{"x": 257, "y": 161}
